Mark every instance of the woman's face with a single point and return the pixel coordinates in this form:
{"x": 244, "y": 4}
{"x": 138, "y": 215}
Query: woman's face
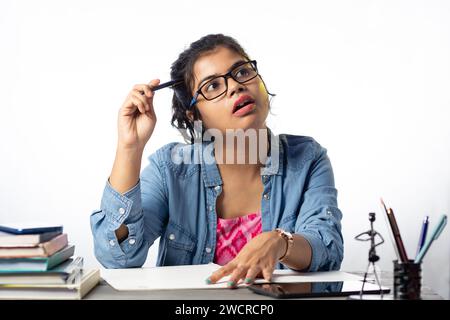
{"x": 218, "y": 113}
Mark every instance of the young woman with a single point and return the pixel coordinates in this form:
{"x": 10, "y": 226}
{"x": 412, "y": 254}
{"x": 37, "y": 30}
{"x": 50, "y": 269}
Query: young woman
{"x": 210, "y": 200}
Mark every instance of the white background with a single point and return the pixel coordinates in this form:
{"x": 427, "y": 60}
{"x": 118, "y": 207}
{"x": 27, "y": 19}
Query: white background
{"x": 369, "y": 80}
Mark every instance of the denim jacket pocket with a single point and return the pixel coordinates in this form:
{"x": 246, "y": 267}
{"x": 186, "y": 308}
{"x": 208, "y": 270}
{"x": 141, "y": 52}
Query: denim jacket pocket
{"x": 180, "y": 245}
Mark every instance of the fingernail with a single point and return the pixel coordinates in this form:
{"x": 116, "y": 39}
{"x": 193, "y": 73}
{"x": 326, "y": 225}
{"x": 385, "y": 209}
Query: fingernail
{"x": 231, "y": 283}
{"x": 208, "y": 281}
{"x": 248, "y": 280}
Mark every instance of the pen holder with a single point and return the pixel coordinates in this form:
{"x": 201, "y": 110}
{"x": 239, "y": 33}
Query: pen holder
{"x": 407, "y": 280}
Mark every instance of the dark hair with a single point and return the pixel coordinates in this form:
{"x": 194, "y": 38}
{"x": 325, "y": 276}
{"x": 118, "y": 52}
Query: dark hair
{"x": 183, "y": 68}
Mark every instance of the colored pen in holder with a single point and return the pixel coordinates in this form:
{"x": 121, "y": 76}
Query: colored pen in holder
{"x": 407, "y": 280}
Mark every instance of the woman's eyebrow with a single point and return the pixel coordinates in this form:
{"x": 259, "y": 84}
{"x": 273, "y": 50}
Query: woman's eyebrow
{"x": 216, "y": 74}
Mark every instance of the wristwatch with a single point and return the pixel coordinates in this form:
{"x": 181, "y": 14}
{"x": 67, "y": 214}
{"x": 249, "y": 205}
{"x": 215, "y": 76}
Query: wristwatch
{"x": 289, "y": 242}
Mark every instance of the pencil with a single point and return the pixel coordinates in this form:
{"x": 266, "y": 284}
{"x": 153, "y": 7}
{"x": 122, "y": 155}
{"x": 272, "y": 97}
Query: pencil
{"x": 397, "y": 236}
{"x": 394, "y": 233}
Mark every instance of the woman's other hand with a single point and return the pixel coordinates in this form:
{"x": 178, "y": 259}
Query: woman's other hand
{"x": 256, "y": 259}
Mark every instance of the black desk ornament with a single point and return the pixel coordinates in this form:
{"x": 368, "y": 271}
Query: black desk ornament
{"x": 371, "y": 235}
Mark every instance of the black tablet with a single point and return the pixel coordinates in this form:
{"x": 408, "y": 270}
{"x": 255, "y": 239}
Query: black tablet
{"x": 315, "y": 289}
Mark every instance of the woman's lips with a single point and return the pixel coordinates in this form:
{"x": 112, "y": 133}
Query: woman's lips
{"x": 245, "y": 110}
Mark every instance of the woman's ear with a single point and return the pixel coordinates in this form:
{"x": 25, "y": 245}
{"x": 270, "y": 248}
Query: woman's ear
{"x": 193, "y": 114}
{"x": 190, "y": 115}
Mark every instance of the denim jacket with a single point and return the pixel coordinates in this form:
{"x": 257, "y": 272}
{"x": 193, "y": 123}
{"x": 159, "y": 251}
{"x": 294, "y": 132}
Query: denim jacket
{"x": 177, "y": 202}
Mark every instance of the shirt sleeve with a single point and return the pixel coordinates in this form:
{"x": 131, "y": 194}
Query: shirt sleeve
{"x": 143, "y": 209}
{"x": 319, "y": 220}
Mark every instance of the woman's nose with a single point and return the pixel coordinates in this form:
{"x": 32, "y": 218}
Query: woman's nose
{"x": 234, "y": 87}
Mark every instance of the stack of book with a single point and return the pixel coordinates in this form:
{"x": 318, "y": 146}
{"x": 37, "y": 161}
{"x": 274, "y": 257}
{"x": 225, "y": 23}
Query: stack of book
{"x": 38, "y": 262}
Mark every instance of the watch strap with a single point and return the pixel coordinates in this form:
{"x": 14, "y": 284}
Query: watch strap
{"x": 287, "y": 236}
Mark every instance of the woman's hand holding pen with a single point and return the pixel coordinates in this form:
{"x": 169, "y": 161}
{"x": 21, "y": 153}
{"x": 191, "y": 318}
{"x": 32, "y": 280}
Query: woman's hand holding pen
{"x": 137, "y": 118}
{"x": 136, "y": 122}
{"x": 257, "y": 258}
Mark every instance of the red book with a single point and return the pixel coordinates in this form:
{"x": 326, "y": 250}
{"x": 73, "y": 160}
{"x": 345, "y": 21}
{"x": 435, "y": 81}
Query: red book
{"x": 41, "y": 250}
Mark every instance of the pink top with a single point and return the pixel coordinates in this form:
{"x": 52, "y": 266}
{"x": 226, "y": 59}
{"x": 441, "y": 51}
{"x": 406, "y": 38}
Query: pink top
{"x": 233, "y": 235}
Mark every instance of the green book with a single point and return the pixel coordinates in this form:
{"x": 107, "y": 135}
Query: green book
{"x": 65, "y": 273}
{"x": 36, "y": 264}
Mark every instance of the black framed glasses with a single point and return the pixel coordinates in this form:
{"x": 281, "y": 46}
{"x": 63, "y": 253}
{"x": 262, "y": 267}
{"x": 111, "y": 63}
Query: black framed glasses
{"x": 217, "y": 86}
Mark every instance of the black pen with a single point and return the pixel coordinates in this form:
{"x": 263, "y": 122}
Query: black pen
{"x": 171, "y": 83}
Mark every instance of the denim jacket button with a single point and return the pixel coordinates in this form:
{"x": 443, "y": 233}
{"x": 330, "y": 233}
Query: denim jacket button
{"x": 112, "y": 243}
{"x": 132, "y": 241}
{"x": 217, "y": 188}
{"x": 266, "y": 196}
{"x": 208, "y": 250}
{"x": 171, "y": 236}
{"x": 121, "y": 210}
